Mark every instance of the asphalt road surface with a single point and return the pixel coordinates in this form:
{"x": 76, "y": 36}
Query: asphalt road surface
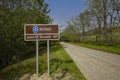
{"x": 94, "y": 64}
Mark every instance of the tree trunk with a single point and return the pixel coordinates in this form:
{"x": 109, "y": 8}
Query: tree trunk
{"x": 105, "y": 20}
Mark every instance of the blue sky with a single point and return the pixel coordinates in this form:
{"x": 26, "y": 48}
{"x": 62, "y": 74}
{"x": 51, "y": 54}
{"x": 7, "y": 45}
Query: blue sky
{"x": 63, "y": 10}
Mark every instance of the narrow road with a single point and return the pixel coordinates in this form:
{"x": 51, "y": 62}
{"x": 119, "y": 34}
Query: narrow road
{"x": 94, "y": 64}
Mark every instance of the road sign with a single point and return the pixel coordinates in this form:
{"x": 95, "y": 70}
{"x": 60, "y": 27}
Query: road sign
{"x": 33, "y": 32}
{"x": 36, "y": 32}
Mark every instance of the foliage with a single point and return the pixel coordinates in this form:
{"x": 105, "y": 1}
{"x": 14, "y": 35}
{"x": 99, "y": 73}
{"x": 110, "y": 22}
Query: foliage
{"x": 99, "y": 23}
{"x": 14, "y": 14}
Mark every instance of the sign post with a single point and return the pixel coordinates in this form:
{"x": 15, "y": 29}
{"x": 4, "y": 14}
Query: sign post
{"x": 37, "y": 58}
{"x": 36, "y": 32}
{"x": 48, "y": 57}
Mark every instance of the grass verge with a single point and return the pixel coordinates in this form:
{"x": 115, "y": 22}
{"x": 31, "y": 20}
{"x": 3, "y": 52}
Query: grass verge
{"x": 100, "y": 47}
{"x": 61, "y": 66}
{"x": 61, "y": 61}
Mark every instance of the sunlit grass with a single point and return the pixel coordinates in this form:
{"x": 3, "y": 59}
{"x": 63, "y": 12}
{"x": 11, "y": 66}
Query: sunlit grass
{"x": 100, "y": 47}
{"x": 59, "y": 61}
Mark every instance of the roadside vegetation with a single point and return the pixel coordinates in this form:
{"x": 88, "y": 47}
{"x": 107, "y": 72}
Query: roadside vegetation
{"x": 97, "y": 27}
{"x": 99, "y": 47}
{"x": 14, "y": 14}
{"x": 61, "y": 66}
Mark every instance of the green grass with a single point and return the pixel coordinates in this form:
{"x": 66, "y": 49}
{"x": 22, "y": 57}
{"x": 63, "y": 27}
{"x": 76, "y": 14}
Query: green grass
{"x": 28, "y": 66}
{"x": 59, "y": 61}
{"x": 100, "y": 47}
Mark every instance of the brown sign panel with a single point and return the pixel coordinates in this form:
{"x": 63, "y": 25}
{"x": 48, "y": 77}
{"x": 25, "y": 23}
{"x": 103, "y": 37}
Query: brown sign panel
{"x": 33, "y": 32}
{"x": 42, "y": 29}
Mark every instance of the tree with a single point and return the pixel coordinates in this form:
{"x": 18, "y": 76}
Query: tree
{"x": 77, "y": 26}
{"x": 13, "y": 15}
{"x": 84, "y": 21}
{"x": 98, "y": 23}
{"x": 106, "y": 13}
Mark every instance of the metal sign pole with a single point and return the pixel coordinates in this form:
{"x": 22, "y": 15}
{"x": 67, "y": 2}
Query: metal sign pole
{"x": 48, "y": 57}
{"x": 37, "y": 58}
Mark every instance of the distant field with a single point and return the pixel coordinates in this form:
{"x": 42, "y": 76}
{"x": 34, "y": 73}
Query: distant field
{"x": 100, "y": 47}
{"x": 61, "y": 66}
